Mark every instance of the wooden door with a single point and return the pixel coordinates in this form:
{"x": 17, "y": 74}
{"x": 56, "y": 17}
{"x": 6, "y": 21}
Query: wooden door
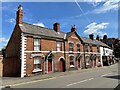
{"x": 49, "y": 65}
{"x": 78, "y": 63}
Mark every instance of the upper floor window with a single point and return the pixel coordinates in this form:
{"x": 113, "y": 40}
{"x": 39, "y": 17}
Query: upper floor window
{"x": 59, "y": 46}
{"x": 98, "y": 49}
{"x": 78, "y": 47}
{"x": 36, "y": 44}
{"x": 91, "y": 49}
{"x": 86, "y": 47}
{"x": 71, "y": 47}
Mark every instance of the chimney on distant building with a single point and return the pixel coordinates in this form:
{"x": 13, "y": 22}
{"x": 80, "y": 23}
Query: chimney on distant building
{"x": 98, "y": 38}
{"x": 104, "y": 37}
{"x": 91, "y": 36}
{"x": 56, "y": 27}
{"x": 73, "y": 29}
{"x": 19, "y": 17}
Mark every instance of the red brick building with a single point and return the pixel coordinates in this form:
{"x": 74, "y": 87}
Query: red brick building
{"x": 33, "y": 49}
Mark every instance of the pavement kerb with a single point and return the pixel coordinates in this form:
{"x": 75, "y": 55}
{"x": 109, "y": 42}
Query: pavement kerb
{"x": 47, "y": 76}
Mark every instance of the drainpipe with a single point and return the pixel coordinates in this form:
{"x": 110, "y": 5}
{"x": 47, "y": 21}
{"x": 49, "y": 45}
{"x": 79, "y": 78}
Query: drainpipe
{"x": 64, "y": 54}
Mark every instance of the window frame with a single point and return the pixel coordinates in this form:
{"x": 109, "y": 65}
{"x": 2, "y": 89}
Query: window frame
{"x": 37, "y": 45}
{"x": 78, "y": 48}
{"x": 86, "y": 47}
{"x": 71, "y": 49}
{"x": 40, "y": 64}
{"x": 60, "y": 47}
{"x": 91, "y": 49}
{"x": 71, "y": 58}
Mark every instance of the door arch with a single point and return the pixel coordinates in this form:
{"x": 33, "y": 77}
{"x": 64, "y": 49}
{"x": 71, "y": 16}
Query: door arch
{"x": 62, "y": 64}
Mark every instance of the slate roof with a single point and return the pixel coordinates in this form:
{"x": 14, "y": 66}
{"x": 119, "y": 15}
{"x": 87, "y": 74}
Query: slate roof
{"x": 42, "y": 31}
{"x": 38, "y": 30}
{"x": 94, "y": 42}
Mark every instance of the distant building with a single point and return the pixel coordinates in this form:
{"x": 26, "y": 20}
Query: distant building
{"x": 114, "y": 43}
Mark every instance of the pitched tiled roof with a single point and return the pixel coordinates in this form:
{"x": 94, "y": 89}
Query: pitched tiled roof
{"x": 38, "y": 30}
{"x": 94, "y": 42}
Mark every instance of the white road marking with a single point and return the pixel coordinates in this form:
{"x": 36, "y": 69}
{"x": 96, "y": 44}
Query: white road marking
{"x": 79, "y": 82}
{"x": 28, "y": 82}
{"x": 106, "y": 74}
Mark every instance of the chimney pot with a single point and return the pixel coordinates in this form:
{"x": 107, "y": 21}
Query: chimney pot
{"x": 73, "y": 29}
{"x": 19, "y": 15}
{"x": 91, "y": 36}
{"x": 56, "y": 27}
{"x": 98, "y": 38}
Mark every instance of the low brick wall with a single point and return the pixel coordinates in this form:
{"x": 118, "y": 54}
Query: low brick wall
{"x": 11, "y": 67}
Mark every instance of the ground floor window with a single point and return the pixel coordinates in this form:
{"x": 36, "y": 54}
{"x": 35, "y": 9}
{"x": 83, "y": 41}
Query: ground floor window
{"x": 71, "y": 61}
{"x": 87, "y": 60}
{"x": 37, "y": 63}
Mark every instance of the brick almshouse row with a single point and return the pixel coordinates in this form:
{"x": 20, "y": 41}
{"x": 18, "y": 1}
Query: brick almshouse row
{"x": 37, "y": 50}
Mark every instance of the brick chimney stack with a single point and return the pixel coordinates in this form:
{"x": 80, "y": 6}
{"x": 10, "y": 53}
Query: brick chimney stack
{"x": 73, "y": 29}
{"x": 19, "y": 17}
{"x": 104, "y": 37}
{"x": 91, "y": 36}
{"x": 56, "y": 27}
{"x": 98, "y": 38}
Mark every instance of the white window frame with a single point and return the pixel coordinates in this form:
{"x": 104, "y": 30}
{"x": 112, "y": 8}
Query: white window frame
{"x": 37, "y": 46}
{"x": 38, "y": 63}
{"x": 59, "y": 46}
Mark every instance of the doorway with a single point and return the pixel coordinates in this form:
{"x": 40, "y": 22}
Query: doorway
{"x": 62, "y": 65}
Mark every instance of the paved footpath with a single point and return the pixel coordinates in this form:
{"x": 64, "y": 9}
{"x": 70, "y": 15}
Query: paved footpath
{"x": 9, "y": 81}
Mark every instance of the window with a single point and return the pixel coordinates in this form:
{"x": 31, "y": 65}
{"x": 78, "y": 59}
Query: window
{"x": 90, "y": 48}
{"x": 71, "y": 61}
{"x": 37, "y": 64}
{"x": 98, "y": 49}
{"x": 59, "y": 46}
{"x": 71, "y": 47}
{"x": 36, "y": 44}
{"x": 78, "y": 47}
{"x": 86, "y": 48}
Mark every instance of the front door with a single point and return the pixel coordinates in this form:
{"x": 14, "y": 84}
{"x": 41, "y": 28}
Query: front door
{"x": 49, "y": 65}
{"x": 62, "y": 65}
{"x": 78, "y": 63}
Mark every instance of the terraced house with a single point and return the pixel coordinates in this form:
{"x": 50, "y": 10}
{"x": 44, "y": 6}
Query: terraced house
{"x": 37, "y": 50}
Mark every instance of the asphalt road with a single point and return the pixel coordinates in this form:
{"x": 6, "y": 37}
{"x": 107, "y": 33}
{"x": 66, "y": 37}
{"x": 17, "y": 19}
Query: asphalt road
{"x": 106, "y": 77}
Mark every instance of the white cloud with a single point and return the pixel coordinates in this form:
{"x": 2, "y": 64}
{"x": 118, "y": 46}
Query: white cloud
{"x": 107, "y": 6}
{"x": 12, "y": 20}
{"x": 39, "y": 24}
{"x": 3, "y": 42}
{"x": 101, "y": 34}
{"x": 95, "y": 28}
{"x": 2, "y": 39}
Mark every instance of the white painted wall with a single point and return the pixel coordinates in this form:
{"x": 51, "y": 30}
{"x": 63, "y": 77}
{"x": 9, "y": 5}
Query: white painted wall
{"x": 23, "y": 55}
{"x": 101, "y": 54}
